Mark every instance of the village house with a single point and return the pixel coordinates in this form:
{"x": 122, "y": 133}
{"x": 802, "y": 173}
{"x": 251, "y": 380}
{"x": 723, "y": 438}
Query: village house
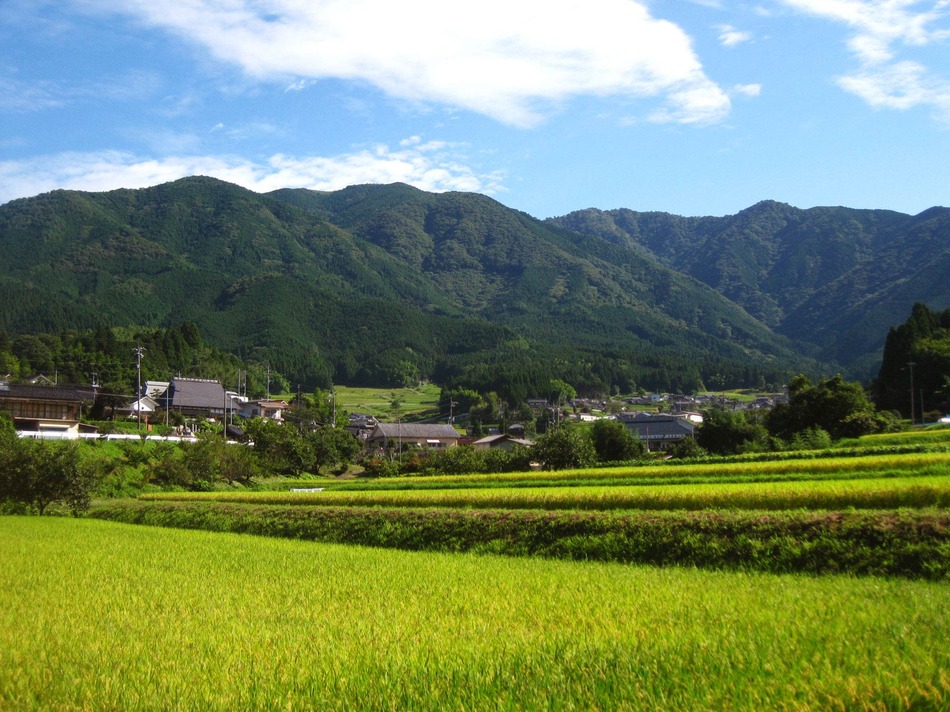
{"x": 45, "y": 411}
{"x": 501, "y": 441}
{"x": 658, "y": 432}
{"x": 265, "y": 408}
{"x": 413, "y": 434}
{"x": 196, "y": 397}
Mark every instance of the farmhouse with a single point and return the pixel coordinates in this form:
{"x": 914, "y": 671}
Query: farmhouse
{"x": 502, "y": 442}
{"x": 417, "y": 434}
{"x": 270, "y": 409}
{"x": 196, "y": 397}
{"x": 47, "y": 411}
{"x": 658, "y": 432}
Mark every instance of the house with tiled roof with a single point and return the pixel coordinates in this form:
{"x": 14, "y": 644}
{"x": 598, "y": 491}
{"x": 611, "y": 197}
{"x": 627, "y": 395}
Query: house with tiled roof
{"x": 46, "y": 411}
{"x": 658, "y": 432}
{"x": 263, "y": 408}
{"x": 413, "y": 434}
{"x": 502, "y": 441}
{"x": 196, "y": 397}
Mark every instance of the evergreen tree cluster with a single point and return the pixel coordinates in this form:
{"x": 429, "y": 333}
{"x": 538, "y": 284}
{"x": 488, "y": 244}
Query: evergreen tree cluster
{"x": 915, "y": 367}
{"x": 107, "y": 358}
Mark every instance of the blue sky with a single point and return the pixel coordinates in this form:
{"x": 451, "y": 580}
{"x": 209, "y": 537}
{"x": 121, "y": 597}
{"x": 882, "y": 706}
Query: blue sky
{"x": 695, "y": 107}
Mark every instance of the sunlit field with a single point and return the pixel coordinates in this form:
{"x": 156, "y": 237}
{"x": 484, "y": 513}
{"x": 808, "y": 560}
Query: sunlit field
{"x": 98, "y": 615}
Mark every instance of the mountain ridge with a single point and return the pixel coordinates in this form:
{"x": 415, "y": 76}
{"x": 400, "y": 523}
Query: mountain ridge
{"x": 391, "y": 282}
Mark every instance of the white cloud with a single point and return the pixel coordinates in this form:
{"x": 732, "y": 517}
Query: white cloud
{"x": 882, "y": 30}
{"x": 433, "y": 166}
{"x": 16, "y": 96}
{"x": 511, "y": 60}
{"x": 729, "y": 36}
{"x": 747, "y": 89}
{"x": 19, "y": 96}
{"x": 902, "y": 85}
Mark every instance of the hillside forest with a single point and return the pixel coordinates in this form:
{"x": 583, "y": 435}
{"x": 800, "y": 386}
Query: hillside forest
{"x": 389, "y": 285}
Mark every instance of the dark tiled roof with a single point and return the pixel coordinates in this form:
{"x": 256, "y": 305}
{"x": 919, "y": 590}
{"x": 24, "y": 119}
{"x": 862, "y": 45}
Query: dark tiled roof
{"x": 414, "y": 430}
{"x": 658, "y": 427}
{"x": 30, "y": 392}
{"x": 197, "y": 393}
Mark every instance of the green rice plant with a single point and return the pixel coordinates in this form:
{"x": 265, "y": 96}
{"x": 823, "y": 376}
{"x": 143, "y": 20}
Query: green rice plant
{"x": 98, "y": 616}
{"x": 929, "y": 436}
{"x": 838, "y": 466}
{"x": 906, "y": 467}
{"x": 872, "y": 493}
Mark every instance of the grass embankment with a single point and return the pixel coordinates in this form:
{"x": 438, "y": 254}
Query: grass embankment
{"x": 102, "y": 616}
{"x": 895, "y": 543}
{"x": 832, "y": 515}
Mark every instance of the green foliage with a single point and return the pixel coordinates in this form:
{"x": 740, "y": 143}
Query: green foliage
{"x": 326, "y": 447}
{"x": 283, "y": 449}
{"x": 923, "y": 340}
{"x": 563, "y": 448}
{"x": 840, "y": 408}
{"x": 686, "y": 449}
{"x": 614, "y": 442}
{"x": 813, "y": 438}
{"x": 725, "y": 432}
{"x": 465, "y": 459}
{"x": 38, "y": 474}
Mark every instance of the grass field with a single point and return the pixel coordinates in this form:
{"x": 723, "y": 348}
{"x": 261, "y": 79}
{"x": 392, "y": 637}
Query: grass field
{"x": 99, "y": 615}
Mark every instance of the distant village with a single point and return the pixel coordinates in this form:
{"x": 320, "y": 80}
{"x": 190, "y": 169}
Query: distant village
{"x": 42, "y": 409}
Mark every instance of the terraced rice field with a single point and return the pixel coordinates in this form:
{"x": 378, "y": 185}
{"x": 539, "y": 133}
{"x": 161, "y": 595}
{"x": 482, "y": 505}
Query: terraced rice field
{"x": 804, "y": 583}
{"x": 99, "y": 615}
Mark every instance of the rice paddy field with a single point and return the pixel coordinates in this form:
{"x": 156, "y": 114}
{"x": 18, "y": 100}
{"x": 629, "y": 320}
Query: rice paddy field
{"x": 421, "y": 401}
{"x": 101, "y": 615}
{"x": 803, "y": 583}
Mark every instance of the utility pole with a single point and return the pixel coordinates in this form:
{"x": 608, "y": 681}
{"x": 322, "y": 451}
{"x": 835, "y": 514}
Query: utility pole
{"x": 224, "y": 416}
{"x": 911, "y": 365}
{"x": 332, "y": 407}
{"x": 138, "y": 351}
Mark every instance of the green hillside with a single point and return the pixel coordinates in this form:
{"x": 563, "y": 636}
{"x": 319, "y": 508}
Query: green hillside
{"x": 836, "y": 278}
{"x": 390, "y": 285}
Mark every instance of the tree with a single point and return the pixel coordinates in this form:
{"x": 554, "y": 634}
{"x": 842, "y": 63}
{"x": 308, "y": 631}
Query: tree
{"x": 725, "y": 432}
{"x": 236, "y": 464}
{"x": 39, "y": 473}
{"x": 561, "y": 391}
{"x": 840, "y": 408}
{"x": 614, "y": 442}
{"x": 328, "y": 446}
{"x": 924, "y": 341}
{"x": 564, "y": 448}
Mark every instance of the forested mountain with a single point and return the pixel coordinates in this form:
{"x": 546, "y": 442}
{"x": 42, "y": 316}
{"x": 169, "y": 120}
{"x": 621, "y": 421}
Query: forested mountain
{"x": 387, "y": 284}
{"x": 836, "y": 278}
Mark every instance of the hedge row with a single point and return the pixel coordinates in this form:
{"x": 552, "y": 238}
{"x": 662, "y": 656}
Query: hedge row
{"x": 912, "y": 544}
